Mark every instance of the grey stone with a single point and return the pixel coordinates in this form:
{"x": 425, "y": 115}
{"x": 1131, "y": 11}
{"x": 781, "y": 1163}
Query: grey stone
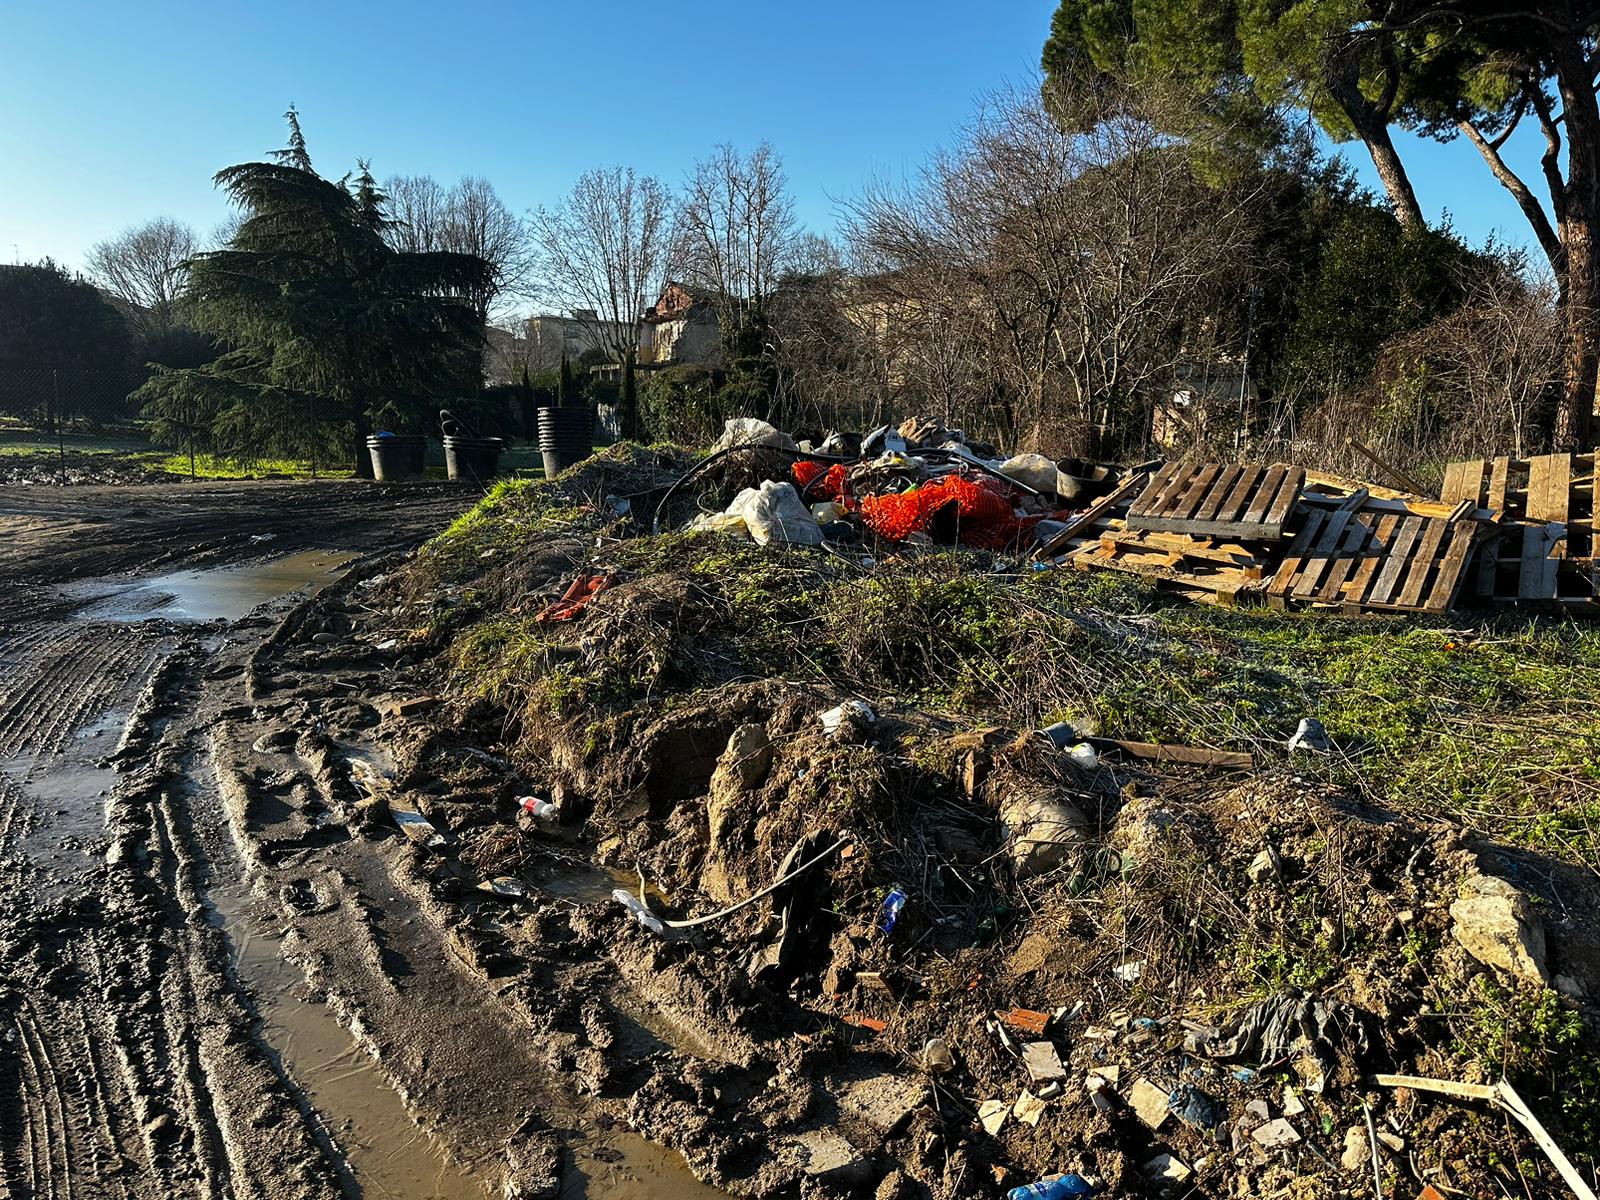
{"x": 884, "y": 1102}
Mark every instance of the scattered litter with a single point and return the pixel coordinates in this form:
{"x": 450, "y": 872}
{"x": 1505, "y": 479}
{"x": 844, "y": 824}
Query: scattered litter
{"x": 1280, "y": 1027}
{"x": 415, "y": 826}
{"x": 1085, "y": 756}
{"x": 1056, "y": 1187}
{"x": 875, "y": 1024}
{"x": 1042, "y": 1061}
{"x": 992, "y": 1116}
{"x": 1275, "y": 1134}
{"x": 579, "y": 595}
{"x": 640, "y": 913}
{"x": 1504, "y": 1096}
{"x": 852, "y": 715}
{"x": 1149, "y": 1103}
{"x": 1310, "y": 737}
{"x": 1193, "y": 1107}
{"x": 890, "y": 913}
{"x": 1167, "y": 1169}
{"x": 1129, "y": 972}
{"x": 543, "y": 813}
{"x": 936, "y": 1057}
{"x": 1026, "y": 1019}
{"x": 504, "y": 887}
{"x": 1029, "y": 1108}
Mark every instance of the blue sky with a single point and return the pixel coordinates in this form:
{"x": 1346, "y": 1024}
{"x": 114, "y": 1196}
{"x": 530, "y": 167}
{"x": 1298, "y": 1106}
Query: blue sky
{"x": 116, "y": 112}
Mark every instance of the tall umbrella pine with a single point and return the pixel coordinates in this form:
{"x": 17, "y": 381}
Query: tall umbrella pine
{"x": 331, "y": 331}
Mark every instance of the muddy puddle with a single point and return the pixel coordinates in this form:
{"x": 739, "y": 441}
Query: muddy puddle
{"x": 69, "y": 791}
{"x": 386, "y": 1155}
{"x": 210, "y": 594}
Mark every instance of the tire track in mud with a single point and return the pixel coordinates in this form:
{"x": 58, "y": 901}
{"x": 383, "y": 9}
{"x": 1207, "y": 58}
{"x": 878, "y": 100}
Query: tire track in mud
{"x": 157, "y": 1089}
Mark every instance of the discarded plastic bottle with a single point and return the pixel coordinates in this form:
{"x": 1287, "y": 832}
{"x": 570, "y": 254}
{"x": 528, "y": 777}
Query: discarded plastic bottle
{"x": 545, "y": 812}
{"x": 1085, "y": 756}
{"x": 640, "y": 913}
{"x": 891, "y": 910}
{"x": 1059, "y": 1188}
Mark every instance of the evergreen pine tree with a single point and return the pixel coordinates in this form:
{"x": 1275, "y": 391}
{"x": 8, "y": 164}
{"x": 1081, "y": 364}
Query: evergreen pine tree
{"x": 331, "y": 330}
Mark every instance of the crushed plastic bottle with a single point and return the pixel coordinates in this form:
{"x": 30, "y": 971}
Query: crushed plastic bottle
{"x": 640, "y": 913}
{"x": 545, "y": 812}
{"x": 895, "y": 901}
{"x": 1059, "y": 1188}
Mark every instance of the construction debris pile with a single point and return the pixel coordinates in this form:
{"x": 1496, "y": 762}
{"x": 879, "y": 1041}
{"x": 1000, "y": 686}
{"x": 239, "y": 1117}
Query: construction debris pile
{"x": 868, "y": 870}
{"x": 1503, "y": 531}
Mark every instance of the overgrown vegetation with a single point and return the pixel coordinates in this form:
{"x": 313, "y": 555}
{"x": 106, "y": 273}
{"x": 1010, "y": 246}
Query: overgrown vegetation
{"x": 1488, "y": 727}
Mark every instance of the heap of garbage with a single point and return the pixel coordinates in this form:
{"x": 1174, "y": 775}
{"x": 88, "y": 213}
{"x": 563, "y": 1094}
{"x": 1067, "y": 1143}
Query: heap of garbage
{"x": 890, "y": 942}
{"x": 920, "y": 484}
{"x": 1503, "y": 531}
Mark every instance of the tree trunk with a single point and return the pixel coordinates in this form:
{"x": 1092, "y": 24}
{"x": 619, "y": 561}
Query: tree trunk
{"x": 1575, "y": 415}
{"x": 363, "y": 460}
{"x": 1372, "y": 126}
{"x": 1392, "y": 172}
{"x": 1580, "y": 225}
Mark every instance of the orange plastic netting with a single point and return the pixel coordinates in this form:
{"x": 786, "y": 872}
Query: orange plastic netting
{"x": 983, "y": 509}
{"x": 818, "y": 481}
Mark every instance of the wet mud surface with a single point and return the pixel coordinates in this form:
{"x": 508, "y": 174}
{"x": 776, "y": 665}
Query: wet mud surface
{"x": 210, "y": 986}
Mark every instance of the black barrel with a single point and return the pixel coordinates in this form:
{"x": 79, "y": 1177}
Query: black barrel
{"x": 472, "y": 459}
{"x": 396, "y": 456}
{"x": 566, "y": 436}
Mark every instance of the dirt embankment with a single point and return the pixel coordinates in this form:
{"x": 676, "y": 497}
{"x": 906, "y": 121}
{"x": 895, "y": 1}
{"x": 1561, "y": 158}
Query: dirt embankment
{"x": 1178, "y": 979}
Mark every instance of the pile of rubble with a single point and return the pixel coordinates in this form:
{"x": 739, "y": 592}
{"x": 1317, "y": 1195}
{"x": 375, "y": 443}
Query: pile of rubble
{"x": 1506, "y": 530}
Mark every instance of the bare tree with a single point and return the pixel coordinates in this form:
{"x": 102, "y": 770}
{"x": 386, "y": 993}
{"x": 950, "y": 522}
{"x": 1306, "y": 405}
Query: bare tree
{"x": 1073, "y": 243}
{"x": 1487, "y": 376}
{"x": 602, "y": 253}
{"x": 419, "y": 210}
{"x": 735, "y": 227}
{"x": 144, "y": 267}
{"x": 470, "y": 218}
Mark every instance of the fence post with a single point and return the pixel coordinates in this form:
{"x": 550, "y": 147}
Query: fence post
{"x": 55, "y": 420}
{"x": 189, "y": 424}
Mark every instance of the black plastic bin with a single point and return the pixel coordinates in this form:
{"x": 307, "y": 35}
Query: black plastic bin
{"x": 566, "y": 436}
{"x": 396, "y": 456}
{"x": 472, "y": 459}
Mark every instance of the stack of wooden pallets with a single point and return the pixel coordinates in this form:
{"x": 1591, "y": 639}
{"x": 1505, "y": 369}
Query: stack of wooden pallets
{"x": 1543, "y": 544}
{"x": 1278, "y": 534}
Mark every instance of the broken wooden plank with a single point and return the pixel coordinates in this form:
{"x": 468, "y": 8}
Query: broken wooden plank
{"x": 1089, "y": 516}
{"x": 1196, "y": 756}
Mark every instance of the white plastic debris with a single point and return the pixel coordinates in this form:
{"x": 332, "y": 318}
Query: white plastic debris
{"x": 640, "y": 913}
{"x": 852, "y": 714}
{"x": 1310, "y": 737}
{"x": 1031, "y": 470}
{"x": 727, "y": 524}
{"x": 1085, "y": 756}
{"x": 774, "y": 512}
{"x": 742, "y": 431}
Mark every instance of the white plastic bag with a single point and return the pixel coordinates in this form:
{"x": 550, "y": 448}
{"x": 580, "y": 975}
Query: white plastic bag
{"x": 741, "y": 431}
{"x": 774, "y": 512}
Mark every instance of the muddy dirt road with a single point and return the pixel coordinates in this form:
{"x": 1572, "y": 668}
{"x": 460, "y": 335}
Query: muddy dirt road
{"x": 208, "y": 987}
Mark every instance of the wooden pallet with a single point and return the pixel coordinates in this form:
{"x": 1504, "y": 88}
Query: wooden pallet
{"x": 1226, "y": 570}
{"x": 1364, "y": 554}
{"x": 1545, "y": 547}
{"x": 1550, "y": 487}
{"x": 1241, "y": 500}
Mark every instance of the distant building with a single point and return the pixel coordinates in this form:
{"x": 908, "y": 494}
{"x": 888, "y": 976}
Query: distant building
{"x": 551, "y": 337}
{"x": 680, "y": 327}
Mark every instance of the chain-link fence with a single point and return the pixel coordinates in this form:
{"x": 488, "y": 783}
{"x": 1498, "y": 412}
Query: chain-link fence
{"x": 71, "y": 403}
